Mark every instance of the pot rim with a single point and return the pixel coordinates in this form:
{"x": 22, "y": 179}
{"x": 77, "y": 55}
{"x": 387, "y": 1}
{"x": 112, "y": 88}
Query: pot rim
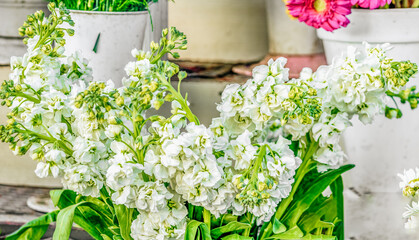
{"x": 388, "y": 10}
{"x": 374, "y": 25}
{"x": 107, "y": 13}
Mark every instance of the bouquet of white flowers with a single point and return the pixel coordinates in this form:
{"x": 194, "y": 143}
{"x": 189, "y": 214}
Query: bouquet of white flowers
{"x": 257, "y": 172}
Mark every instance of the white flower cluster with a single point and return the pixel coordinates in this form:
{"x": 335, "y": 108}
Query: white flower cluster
{"x": 354, "y": 84}
{"x": 410, "y": 188}
{"x": 98, "y": 138}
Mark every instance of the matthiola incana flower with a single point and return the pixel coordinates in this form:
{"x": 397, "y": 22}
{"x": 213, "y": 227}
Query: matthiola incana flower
{"x": 410, "y": 188}
{"x": 410, "y": 182}
{"x": 129, "y": 174}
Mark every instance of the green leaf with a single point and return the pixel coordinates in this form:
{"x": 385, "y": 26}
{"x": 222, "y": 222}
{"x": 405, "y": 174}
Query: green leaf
{"x": 223, "y": 220}
{"x": 197, "y": 230}
{"x": 318, "y": 237}
{"x": 124, "y": 216}
{"x": 236, "y": 237}
{"x": 65, "y": 222}
{"x": 94, "y": 218}
{"x": 101, "y": 208}
{"x": 63, "y": 198}
{"x": 293, "y": 233}
{"x": 87, "y": 218}
{"x": 310, "y": 220}
{"x": 278, "y": 227}
{"x": 35, "y": 229}
{"x": 105, "y": 237}
{"x": 337, "y": 190}
{"x": 92, "y": 222}
{"x": 230, "y": 227}
{"x": 302, "y": 204}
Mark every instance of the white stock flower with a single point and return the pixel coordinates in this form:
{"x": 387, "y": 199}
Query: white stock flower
{"x": 353, "y": 83}
{"x": 328, "y": 129}
{"x": 152, "y": 197}
{"x": 83, "y": 179}
{"x": 329, "y": 158}
{"x": 296, "y": 129}
{"x": 88, "y": 151}
{"x": 412, "y": 223}
{"x": 138, "y": 68}
{"x": 112, "y": 131}
{"x": 410, "y": 182}
{"x": 241, "y": 151}
{"x": 168, "y": 223}
{"x": 120, "y": 175}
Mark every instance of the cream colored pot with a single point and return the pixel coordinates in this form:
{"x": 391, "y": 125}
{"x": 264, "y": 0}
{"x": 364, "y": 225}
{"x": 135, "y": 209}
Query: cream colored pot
{"x": 387, "y": 147}
{"x": 12, "y": 15}
{"x": 230, "y": 31}
{"x": 114, "y": 34}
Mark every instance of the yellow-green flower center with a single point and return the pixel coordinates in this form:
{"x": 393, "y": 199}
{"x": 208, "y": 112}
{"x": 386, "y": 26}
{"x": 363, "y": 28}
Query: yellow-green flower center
{"x": 319, "y": 5}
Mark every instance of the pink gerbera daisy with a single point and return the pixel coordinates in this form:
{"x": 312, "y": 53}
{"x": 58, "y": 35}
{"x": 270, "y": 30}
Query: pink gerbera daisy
{"x": 371, "y": 4}
{"x": 326, "y": 14}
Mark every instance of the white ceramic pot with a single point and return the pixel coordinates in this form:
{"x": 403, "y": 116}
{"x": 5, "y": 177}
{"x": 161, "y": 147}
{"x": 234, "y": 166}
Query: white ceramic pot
{"x": 380, "y": 151}
{"x": 395, "y": 26}
{"x": 229, "y": 31}
{"x": 12, "y": 15}
{"x": 289, "y": 36}
{"x": 120, "y": 32}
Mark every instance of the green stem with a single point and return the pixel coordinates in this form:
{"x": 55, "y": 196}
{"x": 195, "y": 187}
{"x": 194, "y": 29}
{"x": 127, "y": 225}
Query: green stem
{"x": 246, "y": 232}
{"x": 207, "y": 218}
{"x": 47, "y": 138}
{"x": 30, "y": 98}
{"x": 261, "y": 156}
{"x": 189, "y": 115}
{"x": 301, "y": 172}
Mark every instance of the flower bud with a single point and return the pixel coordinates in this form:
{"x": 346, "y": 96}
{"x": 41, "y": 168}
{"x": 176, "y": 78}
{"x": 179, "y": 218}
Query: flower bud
{"x": 120, "y": 101}
{"x": 31, "y": 18}
{"x": 153, "y": 86}
{"x": 108, "y": 107}
{"x": 170, "y": 44}
{"x": 29, "y": 31}
{"x": 157, "y": 104}
{"x": 51, "y": 5}
{"x": 70, "y": 32}
{"x": 262, "y": 186}
{"x": 409, "y": 191}
{"x": 112, "y": 120}
{"x": 138, "y": 118}
{"x": 265, "y": 195}
{"x": 18, "y": 88}
{"x": 165, "y": 32}
{"x": 404, "y": 94}
{"x": 390, "y": 113}
{"x": 154, "y": 46}
{"x": 236, "y": 181}
{"x": 413, "y": 103}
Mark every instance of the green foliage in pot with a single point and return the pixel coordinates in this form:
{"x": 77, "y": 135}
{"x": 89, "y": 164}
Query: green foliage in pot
{"x": 106, "y": 5}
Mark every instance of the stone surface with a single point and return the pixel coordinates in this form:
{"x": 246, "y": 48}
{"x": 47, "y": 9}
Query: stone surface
{"x": 375, "y": 216}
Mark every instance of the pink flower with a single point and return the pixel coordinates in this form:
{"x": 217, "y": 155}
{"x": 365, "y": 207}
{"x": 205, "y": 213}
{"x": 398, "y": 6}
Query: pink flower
{"x": 371, "y": 4}
{"x": 326, "y": 14}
